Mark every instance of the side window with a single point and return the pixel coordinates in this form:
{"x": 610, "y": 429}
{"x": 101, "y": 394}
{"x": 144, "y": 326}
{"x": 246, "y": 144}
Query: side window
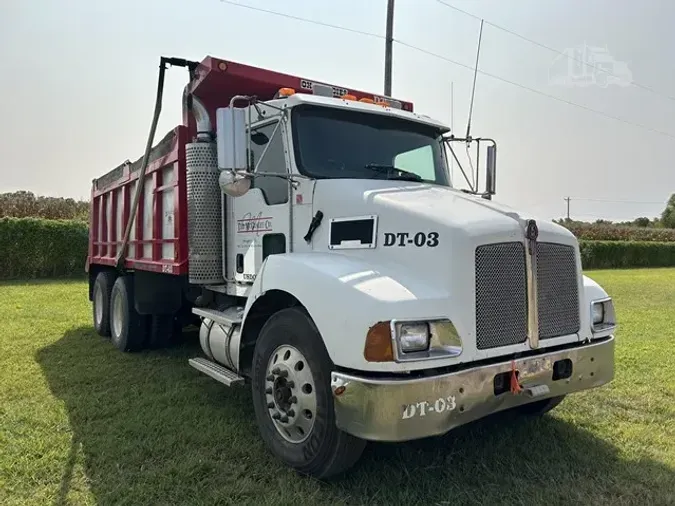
{"x": 419, "y": 161}
{"x": 274, "y": 189}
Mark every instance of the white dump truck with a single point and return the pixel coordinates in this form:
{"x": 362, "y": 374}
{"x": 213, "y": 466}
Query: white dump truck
{"x": 314, "y": 234}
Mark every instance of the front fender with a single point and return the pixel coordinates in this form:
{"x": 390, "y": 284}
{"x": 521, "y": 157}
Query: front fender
{"x": 345, "y": 296}
{"x": 592, "y": 292}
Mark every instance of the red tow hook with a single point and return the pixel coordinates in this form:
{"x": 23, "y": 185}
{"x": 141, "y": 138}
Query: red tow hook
{"x": 515, "y": 385}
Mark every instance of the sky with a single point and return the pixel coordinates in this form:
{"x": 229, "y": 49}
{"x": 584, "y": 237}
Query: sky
{"x": 78, "y": 80}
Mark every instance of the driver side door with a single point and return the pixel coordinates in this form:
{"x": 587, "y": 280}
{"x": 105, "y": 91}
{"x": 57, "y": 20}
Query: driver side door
{"x": 258, "y": 221}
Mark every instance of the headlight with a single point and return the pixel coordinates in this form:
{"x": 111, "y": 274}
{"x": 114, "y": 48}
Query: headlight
{"x": 413, "y": 337}
{"x": 598, "y": 312}
{"x": 603, "y": 317}
{"x": 412, "y": 341}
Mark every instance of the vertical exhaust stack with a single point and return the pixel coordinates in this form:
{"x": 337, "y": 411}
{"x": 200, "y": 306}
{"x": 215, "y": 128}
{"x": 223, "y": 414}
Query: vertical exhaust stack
{"x": 204, "y": 201}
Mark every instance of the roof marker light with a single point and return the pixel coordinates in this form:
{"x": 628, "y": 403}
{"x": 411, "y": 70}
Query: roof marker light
{"x": 367, "y": 100}
{"x": 347, "y": 96}
{"x": 286, "y": 92}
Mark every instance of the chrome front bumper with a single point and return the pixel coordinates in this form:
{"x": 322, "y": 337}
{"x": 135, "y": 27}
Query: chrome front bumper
{"x": 404, "y": 409}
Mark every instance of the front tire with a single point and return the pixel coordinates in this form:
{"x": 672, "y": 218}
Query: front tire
{"x": 100, "y": 304}
{"x": 128, "y": 327}
{"x": 292, "y": 398}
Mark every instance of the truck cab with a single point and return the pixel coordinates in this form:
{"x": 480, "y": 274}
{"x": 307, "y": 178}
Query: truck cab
{"x": 336, "y": 270}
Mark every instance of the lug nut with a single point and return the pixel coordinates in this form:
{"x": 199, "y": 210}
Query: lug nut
{"x": 284, "y": 419}
{"x": 283, "y": 373}
{"x": 270, "y": 405}
{"x": 270, "y": 377}
{"x": 290, "y": 384}
{"x": 268, "y": 390}
{"x": 290, "y": 412}
{"x": 293, "y": 400}
{"x": 276, "y": 416}
{"x": 276, "y": 370}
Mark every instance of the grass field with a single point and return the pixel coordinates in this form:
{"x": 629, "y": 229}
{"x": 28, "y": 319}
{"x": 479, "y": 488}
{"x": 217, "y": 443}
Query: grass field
{"x": 81, "y": 423}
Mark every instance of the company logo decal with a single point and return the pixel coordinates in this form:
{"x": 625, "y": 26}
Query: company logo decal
{"x": 254, "y": 224}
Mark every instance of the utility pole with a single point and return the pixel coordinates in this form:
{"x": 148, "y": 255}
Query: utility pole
{"x": 567, "y": 199}
{"x": 388, "y": 48}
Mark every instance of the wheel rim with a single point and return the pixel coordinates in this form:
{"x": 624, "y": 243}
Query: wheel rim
{"x": 98, "y": 304}
{"x": 290, "y": 394}
{"x": 117, "y": 315}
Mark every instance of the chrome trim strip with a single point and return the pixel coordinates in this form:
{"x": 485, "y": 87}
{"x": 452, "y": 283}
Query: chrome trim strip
{"x": 532, "y": 299}
{"x": 532, "y": 295}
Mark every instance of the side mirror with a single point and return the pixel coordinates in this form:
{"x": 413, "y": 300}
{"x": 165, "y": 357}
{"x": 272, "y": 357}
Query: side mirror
{"x": 232, "y": 145}
{"x": 234, "y": 184}
{"x": 232, "y": 138}
{"x": 491, "y": 176}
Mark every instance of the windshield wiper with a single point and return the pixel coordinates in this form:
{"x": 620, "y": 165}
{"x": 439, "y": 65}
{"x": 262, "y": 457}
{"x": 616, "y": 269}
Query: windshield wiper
{"x": 393, "y": 172}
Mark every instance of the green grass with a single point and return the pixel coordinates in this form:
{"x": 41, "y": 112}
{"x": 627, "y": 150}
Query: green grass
{"x": 81, "y": 423}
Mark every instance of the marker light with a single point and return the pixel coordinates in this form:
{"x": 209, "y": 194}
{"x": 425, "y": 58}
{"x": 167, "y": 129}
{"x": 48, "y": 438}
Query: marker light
{"x": 286, "y": 92}
{"x": 348, "y": 97}
{"x": 367, "y": 100}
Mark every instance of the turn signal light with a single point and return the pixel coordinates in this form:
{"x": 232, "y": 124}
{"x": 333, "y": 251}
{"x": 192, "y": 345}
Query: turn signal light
{"x": 378, "y": 343}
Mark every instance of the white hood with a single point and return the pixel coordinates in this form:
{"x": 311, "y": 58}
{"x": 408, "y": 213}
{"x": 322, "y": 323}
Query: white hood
{"x": 461, "y": 222}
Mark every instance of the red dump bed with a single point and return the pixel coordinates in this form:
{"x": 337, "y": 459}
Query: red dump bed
{"x": 159, "y": 240}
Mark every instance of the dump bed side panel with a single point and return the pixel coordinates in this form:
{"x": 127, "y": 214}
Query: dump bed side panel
{"x": 158, "y": 238}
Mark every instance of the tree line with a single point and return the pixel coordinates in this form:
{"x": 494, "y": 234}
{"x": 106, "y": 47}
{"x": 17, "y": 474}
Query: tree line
{"x": 666, "y": 220}
{"x": 25, "y": 204}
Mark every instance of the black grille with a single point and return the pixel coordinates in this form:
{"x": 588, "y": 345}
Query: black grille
{"x": 557, "y": 290}
{"x": 501, "y": 295}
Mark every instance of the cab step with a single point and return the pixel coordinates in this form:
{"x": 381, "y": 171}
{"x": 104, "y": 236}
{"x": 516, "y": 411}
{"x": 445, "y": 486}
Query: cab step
{"x": 229, "y": 317}
{"x": 216, "y": 371}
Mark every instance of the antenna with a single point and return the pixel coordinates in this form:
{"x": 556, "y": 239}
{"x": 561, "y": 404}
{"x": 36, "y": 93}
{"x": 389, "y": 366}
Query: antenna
{"x": 473, "y": 89}
{"x": 452, "y": 125}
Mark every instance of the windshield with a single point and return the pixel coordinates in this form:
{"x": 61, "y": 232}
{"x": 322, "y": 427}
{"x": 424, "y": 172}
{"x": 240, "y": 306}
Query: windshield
{"x": 333, "y": 143}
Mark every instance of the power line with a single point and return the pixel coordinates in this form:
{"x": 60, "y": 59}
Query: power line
{"x": 306, "y": 20}
{"x": 515, "y": 34}
{"x": 533, "y": 90}
{"x": 617, "y": 201}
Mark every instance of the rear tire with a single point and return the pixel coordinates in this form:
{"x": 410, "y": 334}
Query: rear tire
{"x": 128, "y": 328}
{"x": 100, "y": 303}
{"x": 318, "y": 447}
{"x": 539, "y": 408}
